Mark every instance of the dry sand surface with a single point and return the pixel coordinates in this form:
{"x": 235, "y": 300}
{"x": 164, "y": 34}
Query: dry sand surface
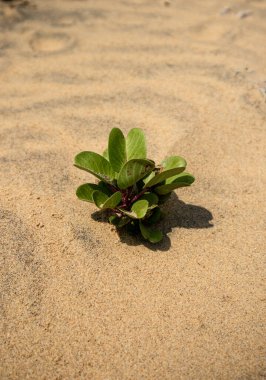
{"x": 78, "y": 301}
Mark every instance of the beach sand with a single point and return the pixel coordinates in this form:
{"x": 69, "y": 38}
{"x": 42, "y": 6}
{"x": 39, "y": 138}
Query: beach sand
{"x": 78, "y": 300}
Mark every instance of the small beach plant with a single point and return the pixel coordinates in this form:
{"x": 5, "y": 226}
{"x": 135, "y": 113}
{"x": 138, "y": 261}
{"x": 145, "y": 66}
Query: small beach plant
{"x": 131, "y": 186}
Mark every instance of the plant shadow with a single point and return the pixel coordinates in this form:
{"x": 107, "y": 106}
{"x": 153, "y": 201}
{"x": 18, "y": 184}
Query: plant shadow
{"x": 178, "y": 214}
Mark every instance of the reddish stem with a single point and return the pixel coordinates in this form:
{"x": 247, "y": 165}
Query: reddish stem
{"x": 139, "y": 195}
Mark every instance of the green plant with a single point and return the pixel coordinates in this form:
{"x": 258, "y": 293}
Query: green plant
{"x": 131, "y": 186}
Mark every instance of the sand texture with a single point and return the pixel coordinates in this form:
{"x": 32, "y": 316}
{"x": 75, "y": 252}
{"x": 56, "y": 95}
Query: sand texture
{"x": 78, "y": 301}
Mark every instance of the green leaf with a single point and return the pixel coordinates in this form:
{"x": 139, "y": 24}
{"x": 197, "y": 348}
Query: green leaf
{"x": 113, "y": 201}
{"x": 184, "y": 179}
{"x": 96, "y": 165}
{"x": 84, "y": 192}
{"x": 119, "y": 222}
{"x": 103, "y": 201}
{"x": 103, "y": 187}
{"x": 106, "y": 154}
{"x": 99, "y": 198}
{"x": 149, "y": 177}
{"x": 151, "y": 198}
{"x": 171, "y": 166}
{"x": 181, "y": 178}
{"x": 114, "y": 219}
{"x": 154, "y": 236}
{"x": 174, "y": 162}
{"x": 117, "y": 149}
{"x": 155, "y": 216}
{"x": 164, "y": 175}
{"x": 136, "y": 144}
{"x": 140, "y": 208}
{"x": 133, "y": 171}
{"x": 130, "y": 214}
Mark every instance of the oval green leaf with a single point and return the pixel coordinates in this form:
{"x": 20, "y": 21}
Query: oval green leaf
{"x": 133, "y": 171}
{"x": 113, "y": 201}
{"x": 184, "y": 179}
{"x": 95, "y": 164}
{"x": 151, "y": 198}
{"x": 154, "y": 236}
{"x": 140, "y": 208}
{"x": 99, "y": 198}
{"x": 84, "y": 192}
{"x": 174, "y": 162}
{"x": 117, "y": 149}
{"x": 119, "y": 222}
{"x": 136, "y": 144}
{"x": 149, "y": 177}
{"x": 164, "y": 175}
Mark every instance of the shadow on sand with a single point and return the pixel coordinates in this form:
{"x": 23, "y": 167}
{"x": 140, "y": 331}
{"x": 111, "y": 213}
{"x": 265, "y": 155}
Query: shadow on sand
{"x": 177, "y": 215}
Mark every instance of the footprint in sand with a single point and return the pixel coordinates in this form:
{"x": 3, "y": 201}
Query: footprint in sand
{"x": 49, "y": 43}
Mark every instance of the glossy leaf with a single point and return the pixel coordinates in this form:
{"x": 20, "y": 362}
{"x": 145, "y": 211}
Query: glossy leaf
{"x": 133, "y": 171}
{"x": 84, "y": 192}
{"x": 164, "y": 175}
{"x": 136, "y": 144}
{"x": 184, "y": 179}
{"x": 117, "y": 149}
{"x": 174, "y": 162}
{"x": 126, "y": 174}
{"x": 149, "y": 177}
{"x": 96, "y": 165}
{"x": 140, "y": 208}
{"x": 99, "y": 198}
{"x": 113, "y": 201}
{"x": 151, "y": 198}
{"x": 154, "y": 236}
{"x": 103, "y": 201}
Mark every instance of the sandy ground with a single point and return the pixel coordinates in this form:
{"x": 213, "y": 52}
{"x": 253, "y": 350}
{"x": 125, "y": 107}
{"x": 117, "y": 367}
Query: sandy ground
{"x": 78, "y": 301}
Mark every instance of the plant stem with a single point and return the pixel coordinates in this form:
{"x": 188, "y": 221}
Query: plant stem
{"x": 139, "y": 195}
